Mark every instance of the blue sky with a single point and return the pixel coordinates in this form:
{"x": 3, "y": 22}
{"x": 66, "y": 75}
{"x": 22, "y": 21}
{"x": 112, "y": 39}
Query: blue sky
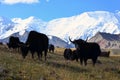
{"x": 52, "y": 9}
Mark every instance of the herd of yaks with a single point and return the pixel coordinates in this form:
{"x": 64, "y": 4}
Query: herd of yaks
{"x": 39, "y": 43}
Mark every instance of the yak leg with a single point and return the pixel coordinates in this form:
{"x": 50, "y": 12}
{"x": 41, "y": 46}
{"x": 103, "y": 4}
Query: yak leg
{"x": 76, "y": 59}
{"x": 94, "y": 61}
{"x": 32, "y": 55}
{"x": 39, "y": 55}
{"x": 53, "y": 51}
{"x": 85, "y": 61}
{"x": 81, "y": 61}
{"x": 45, "y": 54}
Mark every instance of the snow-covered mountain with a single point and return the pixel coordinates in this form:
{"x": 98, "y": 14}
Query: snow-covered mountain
{"x": 9, "y": 27}
{"x": 5, "y": 25}
{"x": 82, "y": 26}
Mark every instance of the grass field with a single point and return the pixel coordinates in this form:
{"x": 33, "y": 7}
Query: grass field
{"x": 13, "y": 67}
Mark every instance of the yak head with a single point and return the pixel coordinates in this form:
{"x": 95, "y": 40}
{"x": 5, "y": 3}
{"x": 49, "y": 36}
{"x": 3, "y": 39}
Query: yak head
{"x": 24, "y": 49}
{"x": 78, "y": 43}
{"x": 74, "y": 55}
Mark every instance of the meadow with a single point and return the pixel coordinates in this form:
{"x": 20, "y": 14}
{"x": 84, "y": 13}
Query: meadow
{"x": 14, "y": 67}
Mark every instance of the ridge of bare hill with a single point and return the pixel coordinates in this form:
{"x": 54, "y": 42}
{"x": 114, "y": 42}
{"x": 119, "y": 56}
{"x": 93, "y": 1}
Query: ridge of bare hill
{"x": 106, "y": 40}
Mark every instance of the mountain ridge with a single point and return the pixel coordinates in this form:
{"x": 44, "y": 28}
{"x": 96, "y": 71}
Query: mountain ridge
{"x": 106, "y": 40}
{"x": 84, "y": 25}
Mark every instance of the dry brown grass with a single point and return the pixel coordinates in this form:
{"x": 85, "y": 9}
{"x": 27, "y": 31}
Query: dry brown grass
{"x": 13, "y": 67}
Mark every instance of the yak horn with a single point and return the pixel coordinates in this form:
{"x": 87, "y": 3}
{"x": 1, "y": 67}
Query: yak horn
{"x": 86, "y": 39}
{"x": 70, "y": 40}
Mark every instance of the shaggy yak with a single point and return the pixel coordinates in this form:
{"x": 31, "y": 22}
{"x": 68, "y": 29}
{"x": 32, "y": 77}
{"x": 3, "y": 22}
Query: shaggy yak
{"x": 87, "y": 50}
{"x": 51, "y": 48}
{"x": 36, "y": 42}
{"x": 74, "y": 55}
{"x": 13, "y": 42}
{"x": 67, "y": 53}
{"x": 105, "y": 54}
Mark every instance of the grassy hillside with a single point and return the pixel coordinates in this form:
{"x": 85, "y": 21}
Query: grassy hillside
{"x": 13, "y": 67}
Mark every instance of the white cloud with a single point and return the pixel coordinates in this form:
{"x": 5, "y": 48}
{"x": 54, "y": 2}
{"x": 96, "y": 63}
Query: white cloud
{"x": 18, "y": 1}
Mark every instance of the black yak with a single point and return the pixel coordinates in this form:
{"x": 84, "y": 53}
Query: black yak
{"x": 51, "y": 48}
{"x": 87, "y": 50}
{"x": 74, "y": 55}
{"x": 105, "y": 54}
{"x": 1, "y": 43}
{"x": 13, "y": 42}
{"x": 36, "y": 42}
{"x": 67, "y": 53}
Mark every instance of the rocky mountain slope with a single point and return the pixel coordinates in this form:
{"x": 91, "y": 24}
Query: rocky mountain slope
{"x": 106, "y": 40}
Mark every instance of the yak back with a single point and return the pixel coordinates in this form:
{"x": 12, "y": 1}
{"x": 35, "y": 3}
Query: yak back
{"x": 89, "y": 50}
{"x": 37, "y": 41}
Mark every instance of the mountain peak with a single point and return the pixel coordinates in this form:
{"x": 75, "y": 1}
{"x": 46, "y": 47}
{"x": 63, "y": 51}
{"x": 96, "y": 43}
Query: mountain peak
{"x": 81, "y": 26}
